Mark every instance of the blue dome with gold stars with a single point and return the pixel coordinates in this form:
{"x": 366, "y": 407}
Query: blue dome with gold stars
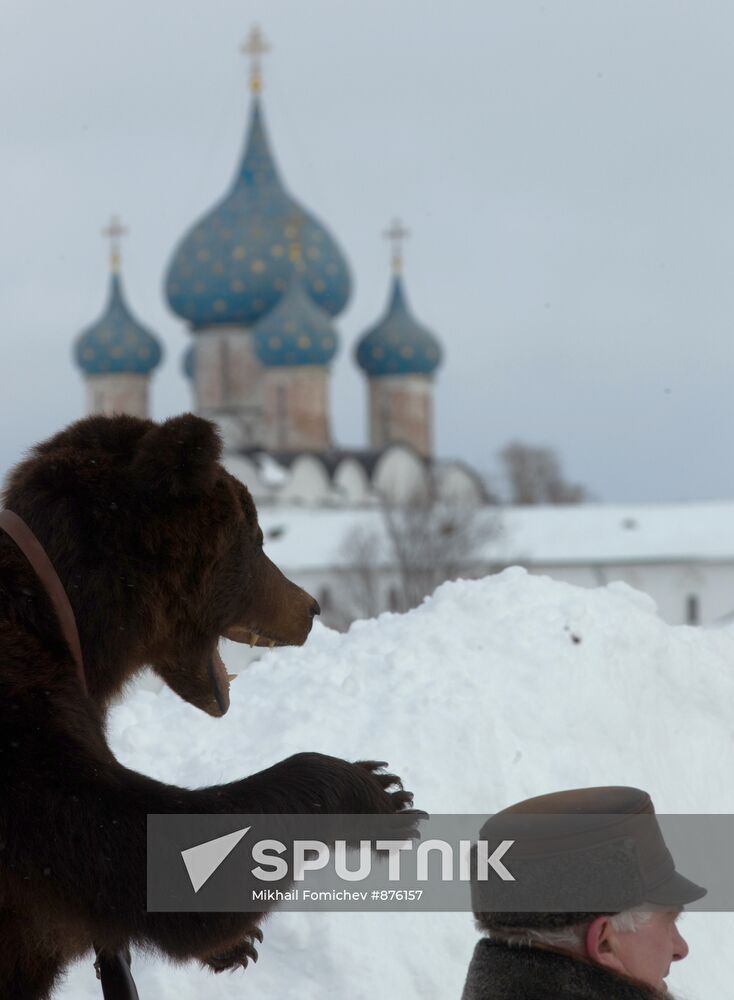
{"x": 296, "y": 331}
{"x": 117, "y": 343}
{"x": 233, "y": 265}
{"x": 398, "y": 344}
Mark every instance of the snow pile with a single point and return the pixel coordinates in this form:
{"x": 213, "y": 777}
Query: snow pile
{"x": 491, "y": 691}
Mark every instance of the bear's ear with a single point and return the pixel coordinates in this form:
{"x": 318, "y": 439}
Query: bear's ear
{"x": 178, "y": 458}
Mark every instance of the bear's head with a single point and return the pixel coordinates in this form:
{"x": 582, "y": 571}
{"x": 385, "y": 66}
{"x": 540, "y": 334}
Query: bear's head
{"x": 159, "y": 550}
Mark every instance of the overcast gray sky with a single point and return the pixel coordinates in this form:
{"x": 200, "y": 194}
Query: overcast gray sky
{"x": 566, "y": 168}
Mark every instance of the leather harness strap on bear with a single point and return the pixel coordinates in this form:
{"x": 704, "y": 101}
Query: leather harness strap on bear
{"x": 113, "y": 968}
{"x": 36, "y": 556}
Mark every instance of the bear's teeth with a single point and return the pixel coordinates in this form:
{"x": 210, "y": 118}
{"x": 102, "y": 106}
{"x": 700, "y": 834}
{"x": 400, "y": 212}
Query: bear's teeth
{"x": 232, "y": 677}
{"x": 271, "y": 643}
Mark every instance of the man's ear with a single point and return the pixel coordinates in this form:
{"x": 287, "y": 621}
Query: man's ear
{"x": 600, "y": 944}
{"x": 178, "y": 458}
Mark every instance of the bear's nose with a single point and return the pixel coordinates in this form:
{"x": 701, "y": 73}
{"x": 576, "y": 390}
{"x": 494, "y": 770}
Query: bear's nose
{"x": 315, "y": 609}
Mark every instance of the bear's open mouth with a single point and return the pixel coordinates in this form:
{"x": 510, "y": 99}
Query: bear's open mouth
{"x": 219, "y": 677}
{"x": 253, "y": 637}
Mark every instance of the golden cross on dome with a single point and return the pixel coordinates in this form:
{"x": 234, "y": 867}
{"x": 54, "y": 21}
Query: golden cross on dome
{"x": 397, "y": 233}
{"x": 255, "y": 46}
{"x": 293, "y": 235}
{"x": 114, "y": 232}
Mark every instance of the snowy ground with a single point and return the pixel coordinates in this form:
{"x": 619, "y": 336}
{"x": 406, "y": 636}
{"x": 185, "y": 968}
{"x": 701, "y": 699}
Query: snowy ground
{"x": 478, "y": 698}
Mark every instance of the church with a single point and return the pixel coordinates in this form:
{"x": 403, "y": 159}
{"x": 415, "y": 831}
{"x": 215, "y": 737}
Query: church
{"x": 259, "y": 283}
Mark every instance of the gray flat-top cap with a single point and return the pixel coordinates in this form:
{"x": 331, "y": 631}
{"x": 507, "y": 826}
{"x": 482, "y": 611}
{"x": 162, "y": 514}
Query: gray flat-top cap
{"x": 585, "y": 850}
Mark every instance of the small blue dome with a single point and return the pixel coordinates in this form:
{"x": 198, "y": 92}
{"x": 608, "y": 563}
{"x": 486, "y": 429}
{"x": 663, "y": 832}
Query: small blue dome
{"x": 117, "y": 343}
{"x": 233, "y": 265}
{"x": 295, "y": 331}
{"x": 188, "y": 362}
{"x": 398, "y": 344}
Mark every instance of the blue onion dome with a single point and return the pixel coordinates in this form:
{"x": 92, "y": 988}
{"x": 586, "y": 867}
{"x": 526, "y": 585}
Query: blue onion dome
{"x": 188, "y": 363}
{"x": 296, "y": 331}
{"x": 398, "y": 344}
{"x": 232, "y": 266}
{"x": 117, "y": 343}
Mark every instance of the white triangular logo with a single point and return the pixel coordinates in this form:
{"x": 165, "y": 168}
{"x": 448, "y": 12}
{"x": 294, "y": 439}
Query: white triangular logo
{"x": 204, "y": 859}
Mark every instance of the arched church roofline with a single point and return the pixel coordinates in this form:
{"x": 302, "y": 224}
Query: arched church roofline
{"x": 352, "y": 480}
{"x": 414, "y": 467}
{"x": 397, "y": 448}
{"x": 456, "y": 463}
{"x": 331, "y": 460}
{"x": 372, "y": 462}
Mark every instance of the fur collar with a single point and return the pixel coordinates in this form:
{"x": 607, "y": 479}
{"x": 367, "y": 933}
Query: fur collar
{"x": 500, "y": 971}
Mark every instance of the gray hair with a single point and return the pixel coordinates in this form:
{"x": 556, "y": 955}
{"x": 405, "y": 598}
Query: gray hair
{"x": 570, "y": 937}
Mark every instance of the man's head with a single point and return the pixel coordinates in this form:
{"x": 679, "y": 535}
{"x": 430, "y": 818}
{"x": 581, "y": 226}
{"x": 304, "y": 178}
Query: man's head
{"x": 640, "y": 944}
{"x": 644, "y": 950}
{"x": 592, "y": 878}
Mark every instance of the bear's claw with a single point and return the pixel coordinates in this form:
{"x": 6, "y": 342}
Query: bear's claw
{"x": 238, "y": 956}
{"x": 400, "y": 799}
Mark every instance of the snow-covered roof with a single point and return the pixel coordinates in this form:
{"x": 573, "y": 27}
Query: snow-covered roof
{"x": 537, "y": 536}
{"x": 622, "y": 532}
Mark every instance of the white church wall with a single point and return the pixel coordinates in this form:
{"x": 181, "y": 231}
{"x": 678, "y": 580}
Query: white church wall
{"x": 673, "y": 587}
{"x": 586, "y": 545}
{"x": 686, "y": 593}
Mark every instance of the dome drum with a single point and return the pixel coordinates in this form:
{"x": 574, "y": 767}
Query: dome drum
{"x": 124, "y": 393}
{"x": 228, "y": 371}
{"x": 401, "y": 410}
{"x": 229, "y": 380}
{"x": 297, "y": 408}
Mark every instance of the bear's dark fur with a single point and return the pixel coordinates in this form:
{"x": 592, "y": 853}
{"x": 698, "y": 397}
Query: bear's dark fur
{"x": 160, "y": 553}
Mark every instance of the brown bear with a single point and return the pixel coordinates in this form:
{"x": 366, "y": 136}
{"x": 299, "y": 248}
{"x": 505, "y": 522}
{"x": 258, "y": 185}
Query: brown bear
{"x": 159, "y": 552}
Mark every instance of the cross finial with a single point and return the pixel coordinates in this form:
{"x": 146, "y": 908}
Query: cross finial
{"x": 113, "y": 233}
{"x": 293, "y": 235}
{"x": 255, "y": 46}
{"x": 396, "y": 234}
